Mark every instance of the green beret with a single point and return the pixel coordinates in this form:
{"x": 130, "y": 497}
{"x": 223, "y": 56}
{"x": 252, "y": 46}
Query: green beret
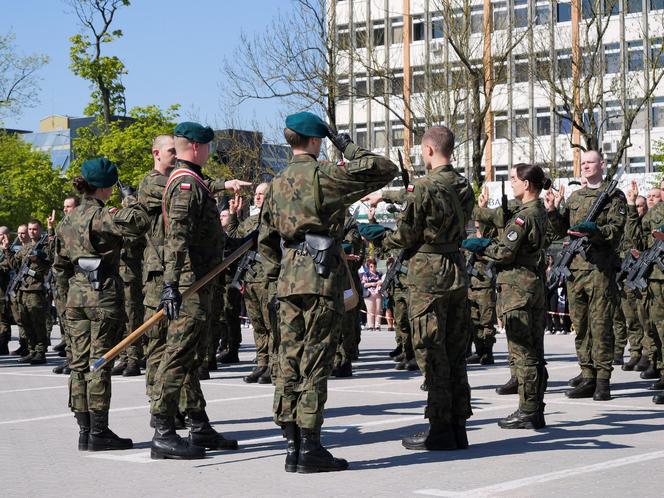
{"x": 194, "y": 132}
{"x": 372, "y": 231}
{"x": 100, "y": 172}
{"x": 307, "y": 124}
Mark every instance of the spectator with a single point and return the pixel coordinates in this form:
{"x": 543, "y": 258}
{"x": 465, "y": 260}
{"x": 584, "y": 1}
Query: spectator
{"x": 372, "y": 298}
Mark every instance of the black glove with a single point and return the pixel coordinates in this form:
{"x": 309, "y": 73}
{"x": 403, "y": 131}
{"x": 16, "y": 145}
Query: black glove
{"x": 341, "y": 141}
{"x": 171, "y": 299}
{"x": 126, "y": 190}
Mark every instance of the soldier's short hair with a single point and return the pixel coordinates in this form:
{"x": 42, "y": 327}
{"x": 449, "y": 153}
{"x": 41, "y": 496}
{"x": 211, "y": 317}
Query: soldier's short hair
{"x": 159, "y": 140}
{"x": 4, "y": 230}
{"x": 182, "y": 143}
{"x": 294, "y": 139}
{"x": 264, "y": 186}
{"x": 441, "y": 139}
{"x": 76, "y": 200}
{"x": 34, "y": 221}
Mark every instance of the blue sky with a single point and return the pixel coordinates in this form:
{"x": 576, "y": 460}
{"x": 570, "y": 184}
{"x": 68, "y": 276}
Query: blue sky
{"x": 173, "y": 55}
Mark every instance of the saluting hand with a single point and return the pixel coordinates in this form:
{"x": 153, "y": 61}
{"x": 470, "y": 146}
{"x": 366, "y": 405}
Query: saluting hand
{"x": 50, "y": 221}
{"x": 632, "y": 193}
{"x": 235, "y": 204}
{"x": 483, "y": 199}
{"x": 236, "y": 185}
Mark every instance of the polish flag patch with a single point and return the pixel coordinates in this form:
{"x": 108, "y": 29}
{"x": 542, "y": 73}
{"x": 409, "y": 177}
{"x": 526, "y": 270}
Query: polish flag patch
{"x": 185, "y": 186}
{"x": 410, "y": 188}
{"x": 520, "y": 222}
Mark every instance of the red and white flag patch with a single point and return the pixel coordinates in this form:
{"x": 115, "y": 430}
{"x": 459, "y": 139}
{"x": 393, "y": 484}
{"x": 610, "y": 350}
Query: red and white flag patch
{"x": 185, "y": 186}
{"x": 410, "y": 188}
{"x": 520, "y": 221}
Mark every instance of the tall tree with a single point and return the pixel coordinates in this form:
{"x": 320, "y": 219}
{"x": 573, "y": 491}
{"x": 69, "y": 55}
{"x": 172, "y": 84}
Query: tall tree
{"x": 19, "y": 82}
{"x": 87, "y": 61}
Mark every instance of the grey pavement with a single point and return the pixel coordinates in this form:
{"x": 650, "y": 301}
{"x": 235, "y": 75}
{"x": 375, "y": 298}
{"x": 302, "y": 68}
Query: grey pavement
{"x": 588, "y": 448}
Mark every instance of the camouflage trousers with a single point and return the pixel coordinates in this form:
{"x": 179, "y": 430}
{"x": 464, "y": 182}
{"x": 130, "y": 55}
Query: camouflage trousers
{"x": 309, "y": 328}
{"x": 213, "y": 324}
{"x": 592, "y": 302}
{"x": 627, "y": 327}
{"x": 61, "y": 310}
{"x": 256, "y": 300}
{"x": 404, "y": 336}
{"x": 5, "y": 322}
{"x": 347, "y": 347}
{"x": 524, "y": 317}
{"x": 133, "y": 293}
{"x": 92, "y": 332}
{"x": 176, "y": 384}
{"x": 14, "y": 310}
{"x": 32, "y": 308}
{"x": 482, "y": 304}
{"x": 440, "y": 336}
{"x": 230, "y": 328}
{"x": 655, "y": 308}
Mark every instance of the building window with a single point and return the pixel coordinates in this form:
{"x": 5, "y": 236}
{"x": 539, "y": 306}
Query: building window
{"x": 613, "y": 117}
{"x": 419, "y": 83}
{"x": 564, "y": 123}
{"x": 636, "y": 164}
{"x": 500, "y": 15}
{"x": 564, "y": 61}
{"x": 542, "y": 13}
{"x": 521, "y": 13}
{"x": 360, "y": 87}
{"x": 418, "y": 28}
{"x": 437, "y": 27}
{"x": 612, "y": 58}
{"x": 521, "y": 68}
{"x": 397, "y": 137}
{"x": 543, "y": 122}
{"x": 361, "y": 137}
{"x": 564, "y": 12}
{"x": 656, "y": 4}
{"x": 658, "y": 112}
{"x": 657, "y": 53}
{"x": 378, "y": 34}
{"x": 397, "y": 85}
{"x": 343, "y": 89}
{"x": 378, "y": 85}
{"x": 343, "y": 37}
{"x": 500, "y": 126}
{"x": 611, "y": 7}
{"x": 640, "y": 119}
{"x": 477, "y": 19}
{"x": 360, "y": 35}
{"x": 379, "y": 139}
{"x": 635, "y": 55}
{"x": 543, "y": 67}
{"x": 588, "y": 9}
{"x": 396, "y": 30}
{"x": 634, "y": 6}
{"x": 521, "y": 124}
{"x": 500, "y": 74}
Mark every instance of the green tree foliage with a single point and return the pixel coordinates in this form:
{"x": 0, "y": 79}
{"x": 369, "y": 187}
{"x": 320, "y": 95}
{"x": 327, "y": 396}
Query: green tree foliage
{"x": 29, "y": 187}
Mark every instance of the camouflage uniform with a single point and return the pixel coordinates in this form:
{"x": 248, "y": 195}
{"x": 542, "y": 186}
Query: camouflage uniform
{"x": 311, "y": 197}
{"x": 482, "y": 305}
{"x": 521, "y": 294}
{"x": 193, "y": 245}
{"x": 30, "y": 302}
{"x": 639, "y": 231}
{"x": 60, "y": 301}
{"x": 592, "y": 290}
{"x": 432, "y": 225}
{"x": 131, "y": 260}
{"x": 5, "y": 322}
{"x": 94, "y": 317}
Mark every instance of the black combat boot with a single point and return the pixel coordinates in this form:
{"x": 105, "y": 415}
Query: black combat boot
{"x": 345, "y": 370}
{"x": 202, "y": 434}
{"x": 255, "y": 374}
{"x": 575, "y": 381}
{"x": 438, "y": 436}
{"x": 411, "y": 365}
{"x": 313, "y": 457}
{"x": 266, "y": 378}
{"x": 178, "y": 421}
{"x": 424, "y": 387}
{"x": 292, "y": 434}
{"x": 229, "y": 357}
{"x": 399, "y": 358}
{"x": 460, "y": 435}
{"x": 586, "y": 389}
{"x": 83, "y": 421}
{"x": 509, "y": 387}
{"x": 658, "y": 399}
{"x": 474, "y": 359}
{"x": 26, "y": 359}
{"x": 523, "y": 420}
{"x": 602, "y": 390}
{"x": 659, "y": 385}
{"x": 22, "y": 349}
{"x": 60, "y": 369}
{"x": 203, "y": 373}
{"x": 401, "y": 365}
{"x": 38, "y": 359}
{"x": 66, "y": 370}
{"x": 618, "y": 359}
{"x": 62, "y": 354}
{"x": 487, "y": 355}
{"x": 650, "y": 373}
{"x": 167, "y": 444}
{"x": 118, "y": 368}
{"x": 133, "y": 370}
{"x": 102, "y": 438}
{"x": 212, "y": 365}
{"x": 631, "y": 363}
{"x": 60, "y": 346}
{"x": 4, "y": 348}
{"x": 643, "y": 364}
{"x": 396, "y": 351}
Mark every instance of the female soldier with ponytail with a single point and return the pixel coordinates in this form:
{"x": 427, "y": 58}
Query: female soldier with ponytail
{"x": 518, "y": 254}
{"x": 86, "y": 271}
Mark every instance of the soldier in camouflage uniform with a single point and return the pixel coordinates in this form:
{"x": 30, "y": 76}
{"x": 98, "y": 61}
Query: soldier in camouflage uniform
{"x": 592, "y": 289}
{"x": 256, "y": 298}
{"x": 30, "y": 301}
{"x": 193, "y": 244}
{"x": 303, "y": 219}
{"x": 230, "y": 333}
{"x": 431, "y": 227}
{"x": 521, "y": 292}
{"x": 87, "y": 256}
{"x": 641, "y": 232}
{"x": 5, "y": 268}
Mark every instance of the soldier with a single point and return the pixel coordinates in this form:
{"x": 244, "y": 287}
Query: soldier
{"x": 193, "y": 242}
{"x": 520, "y": 281}
{"x": 641, "y": 232}
{"x": 22, "y": 238}
{"x": 431, "y": 227}
{"x": 592, "y": 290}
{"x": 300, "y": 241}
{"x": 30, "y": 301}
{"x": 5, "y": 268}
{"x": 87, "y": 255}
{"x": 255, "y": 291}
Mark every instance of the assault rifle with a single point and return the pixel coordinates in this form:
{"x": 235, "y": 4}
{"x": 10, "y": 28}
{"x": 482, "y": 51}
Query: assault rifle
{"x": 625, "y": 268}
{"x": 25, "y": 270}
{"x": 580, "y": 245}
{"x": 392, "y": 276}
{"x": 638, "y": 276}
{"x": 248, "y": 259}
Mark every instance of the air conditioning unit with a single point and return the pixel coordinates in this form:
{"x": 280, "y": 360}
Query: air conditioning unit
{"x": 610, "y": 147}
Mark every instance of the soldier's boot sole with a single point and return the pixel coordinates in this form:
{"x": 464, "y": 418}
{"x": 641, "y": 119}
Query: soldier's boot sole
{"x": 584, "y": 390}
{"x": 316, "y": 465}
{"x": 658, "y": 399}
{"x": 104, "y": 443}
{"x": 213, "y": 441}
{"x": 534, "y": 423}
{"x": 473, "y": 359}
{"x": 193, "y": 454}
{"x": 657, "y": 386}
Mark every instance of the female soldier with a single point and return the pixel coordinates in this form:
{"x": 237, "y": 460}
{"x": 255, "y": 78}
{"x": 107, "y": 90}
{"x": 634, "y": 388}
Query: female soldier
{"x": 519, "y": 254}
{"x": 86, "y": 271}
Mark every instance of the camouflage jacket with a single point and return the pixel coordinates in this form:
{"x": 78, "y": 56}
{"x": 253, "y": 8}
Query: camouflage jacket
{"x": 131, "y": 259}
{"x": 518, "y": 251}
{"x": 639, "y": 231}
{"x": 39, "y": 268}
{"x": 312, "y": 196}
{"x": 242, "y": 229}
{"x": 194, "y": 240}
{"x": 6, "y": 257}
{"x": 432, "y": 225}
{"x": 150, "y": 193}
{"x": 92, "y": 231}
{"x": 611, "y": 221}
{"x": 459, "y": 184}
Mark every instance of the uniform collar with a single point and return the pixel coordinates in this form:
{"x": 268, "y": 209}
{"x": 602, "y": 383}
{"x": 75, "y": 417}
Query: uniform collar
{"x": 181, "y": 163}
{"x": 88, "y": 199}
{"x": 304, "y": 158}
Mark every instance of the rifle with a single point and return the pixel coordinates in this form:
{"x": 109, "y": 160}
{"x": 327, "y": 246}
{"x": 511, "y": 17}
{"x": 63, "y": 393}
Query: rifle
{"x": 25, "y": 270}
{"x": 392, "y": 274}
{"x": 405, "y": 176}
{"x": 125, "y": 190}
{"x": 580, "y": 245}
{"x": 625, "y": 268}
{"x": 638, "y": 276}
{"x": 244, "y": 266}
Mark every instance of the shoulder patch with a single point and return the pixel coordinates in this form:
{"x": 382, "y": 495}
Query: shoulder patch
{"x": 341, "y": 164}
{"x": 410, "y": 188}
{"x": 520, "y": 221}
{"x": 512, "y": 236}
{"x": 185, "y": 186}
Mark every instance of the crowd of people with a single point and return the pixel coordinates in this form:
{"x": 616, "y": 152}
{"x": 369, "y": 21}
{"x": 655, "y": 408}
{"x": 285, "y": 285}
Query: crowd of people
{"x": 104, "y": 271}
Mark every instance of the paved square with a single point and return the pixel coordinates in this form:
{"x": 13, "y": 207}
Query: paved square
{"x": 588, "y": 448}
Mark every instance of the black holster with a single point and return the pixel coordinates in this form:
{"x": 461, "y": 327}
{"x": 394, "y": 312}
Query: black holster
{"x": 92, "y": 269}
{"x": 320, "y": 248}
